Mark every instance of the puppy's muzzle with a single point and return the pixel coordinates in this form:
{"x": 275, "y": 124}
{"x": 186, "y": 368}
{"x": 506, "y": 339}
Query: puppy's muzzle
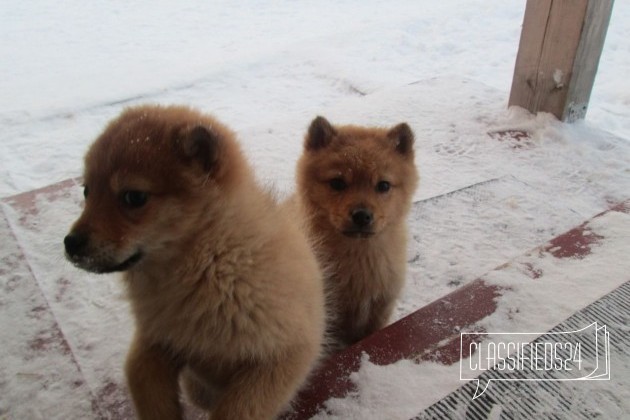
{"x": 97, "y": 259}
{"x": 362, "y": 218}
{"x": 360, "y": 224}
{"x": 75, "y": 244}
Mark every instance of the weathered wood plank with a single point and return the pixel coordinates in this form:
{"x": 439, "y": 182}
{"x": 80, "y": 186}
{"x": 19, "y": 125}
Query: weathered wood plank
{"x": 525, "y": 80}
{"x": 559, "y": 50}
{"x": 590, "y": 48}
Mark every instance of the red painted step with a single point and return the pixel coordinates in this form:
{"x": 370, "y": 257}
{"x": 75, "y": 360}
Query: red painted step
{"x": 430, "y": 333}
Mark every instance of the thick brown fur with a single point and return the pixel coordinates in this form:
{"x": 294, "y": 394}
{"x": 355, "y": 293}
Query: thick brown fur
{"x": 226, "y": 292}
{"x": 354, "y": 191}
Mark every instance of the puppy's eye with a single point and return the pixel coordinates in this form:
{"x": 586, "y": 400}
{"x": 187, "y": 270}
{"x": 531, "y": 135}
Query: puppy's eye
{"x": 86, "y": 191}
{"x": 135, "y": 199}
{"x": 383, "y": 186}
{"x": 338, "y": 184}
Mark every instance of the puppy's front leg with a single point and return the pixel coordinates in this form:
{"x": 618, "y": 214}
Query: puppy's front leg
{"x": 261, "y": 391}
{"x": 381, "y": 312}
{"x": 152, "y": 378}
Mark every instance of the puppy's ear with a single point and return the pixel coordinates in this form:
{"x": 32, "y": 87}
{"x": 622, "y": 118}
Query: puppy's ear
{"x": 201, "y": 144}
{"x": 320, "y": 133}
{"x": 402, "y": 137}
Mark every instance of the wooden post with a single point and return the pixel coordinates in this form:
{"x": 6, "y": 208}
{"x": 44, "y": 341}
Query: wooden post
{"x": 561, "y": 43}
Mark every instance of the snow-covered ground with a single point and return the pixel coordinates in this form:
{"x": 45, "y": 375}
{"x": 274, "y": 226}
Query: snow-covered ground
{"x": 66, "y": 68}
{"x": 266, "y": 69}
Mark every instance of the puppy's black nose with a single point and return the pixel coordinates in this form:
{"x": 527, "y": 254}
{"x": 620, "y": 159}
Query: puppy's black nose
{"x": 75, "y": 242}
{"x": 362, "y": 218}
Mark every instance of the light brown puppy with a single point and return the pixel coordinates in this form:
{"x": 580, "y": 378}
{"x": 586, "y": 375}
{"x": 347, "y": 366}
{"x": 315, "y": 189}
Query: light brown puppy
{"x": 354, "y": 189}
{"x": 224, "y": 288}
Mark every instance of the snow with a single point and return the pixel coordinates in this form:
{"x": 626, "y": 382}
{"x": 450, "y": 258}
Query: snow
{"x": 380, "y": 395}
{"x": 266, "y": 69}
{"x": 69, "y": 69}
{"x": 527, "y": 305}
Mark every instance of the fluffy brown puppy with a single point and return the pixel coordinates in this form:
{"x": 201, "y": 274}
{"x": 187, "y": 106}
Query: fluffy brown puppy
{"x": 224, "y": 288}
{"x": 354, "y": 189}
